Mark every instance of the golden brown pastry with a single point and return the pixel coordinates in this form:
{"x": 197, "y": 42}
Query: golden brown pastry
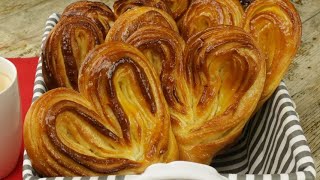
{"x": 203, "y": 14}
{"x": 119, "y": 124}
{"x": 177, "y": 7}
{"x": 98, "y": 12}
{"x": 66, "y": 47}
{"x": 173, "y": 7}
{"x": 225, "y": 73}
{"x": 136, "y": 18}
{"x": 164, "y": 49}
{"x": 121, "y": 6}
{"x": 276, "y": 26}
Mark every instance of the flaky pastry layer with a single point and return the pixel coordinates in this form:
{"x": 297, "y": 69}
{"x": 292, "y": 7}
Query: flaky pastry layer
{"x": 276, "y": 26}
{"x": 225, "y": 74}
{"x": 203, "y": 14}
{"x": 65, "y": 49}
{"x": 136, "y": 18}
{"x": 119, "y": 123}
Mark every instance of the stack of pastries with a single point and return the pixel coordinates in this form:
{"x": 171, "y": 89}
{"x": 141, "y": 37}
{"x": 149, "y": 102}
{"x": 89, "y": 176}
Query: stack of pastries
{"x": 154, "y": 81}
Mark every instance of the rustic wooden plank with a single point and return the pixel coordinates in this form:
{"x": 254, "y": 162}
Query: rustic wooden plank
{"x": 22, "y": 25}
{"x": 307, "y": 8}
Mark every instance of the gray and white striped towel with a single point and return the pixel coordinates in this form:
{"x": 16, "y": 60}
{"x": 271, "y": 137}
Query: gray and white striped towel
{"x": 272, "y": 145}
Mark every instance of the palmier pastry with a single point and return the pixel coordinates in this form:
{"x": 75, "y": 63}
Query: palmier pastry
{"x": 203, "y": 14}
{"x": 164, "y": 48}
{"x": 121, "y": 6}
{"x": 66, "y": 47}
{"x": 225, "y": 73}
{"x": 276, "y": 26}
{"x": 173, "y": 7}
{"x": 136, "y": 18}
{"x": 119, "y": 124}
{"x": 98, "y": 12}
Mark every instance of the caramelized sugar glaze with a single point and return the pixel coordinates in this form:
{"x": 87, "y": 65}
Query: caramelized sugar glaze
{"x": 173, "y": 7}
{"x": 225, "y": 73}
{"x": 136, "y": 18}
{"x": 98, "y": 12}
{"x": 119, "y": 124}
{"x": 203, "y": 14}
{"x": 164, "y": 49}
{"x": 83, "y": 26}
{"x": 276, "y": 26}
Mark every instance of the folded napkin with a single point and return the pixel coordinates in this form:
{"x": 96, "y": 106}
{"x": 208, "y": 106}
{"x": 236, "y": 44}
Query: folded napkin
{"x": 26, "y": 68}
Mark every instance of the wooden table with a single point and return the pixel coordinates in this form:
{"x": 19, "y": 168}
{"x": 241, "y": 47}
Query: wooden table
{"x": 22, "y": 24}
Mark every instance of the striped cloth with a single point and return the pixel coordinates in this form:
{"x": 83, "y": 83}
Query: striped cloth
{"x": 272, "y": 146}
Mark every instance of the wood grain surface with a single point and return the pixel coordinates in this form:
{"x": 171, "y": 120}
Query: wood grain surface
{"x": 22, "y": 24}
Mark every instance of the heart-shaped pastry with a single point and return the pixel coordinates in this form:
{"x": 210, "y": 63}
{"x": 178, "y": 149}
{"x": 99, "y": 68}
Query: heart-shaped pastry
{"x": 139, "y": 17}
{"x": 121, "y": 6}
{"x": 66, "y": 48}
{"x": 173, "y": 7}
{"x": 225, "y": 74}
{"x": 276, "y": 26}
{"x": 164, "y": 49}
{"x": 209, "y": 13}
{"x": 119, "y": 123}
{"x": 98, "y": 12}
